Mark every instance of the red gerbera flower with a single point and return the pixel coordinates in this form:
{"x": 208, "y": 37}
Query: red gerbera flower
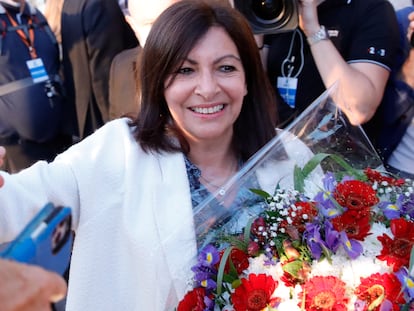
{"x": 255, "y": 293}
{"x": 396, "y": 252}
{"x": 193, "y": 300}
{"x": 354, "y": 223}
{"x": 325, "y": 294}
{"x": 376, "y": 288}
{"x": 355, "y": 194}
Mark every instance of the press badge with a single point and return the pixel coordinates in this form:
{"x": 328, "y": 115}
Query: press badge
{"x": 37, "y": 70}
{"x": 287, "y": 89}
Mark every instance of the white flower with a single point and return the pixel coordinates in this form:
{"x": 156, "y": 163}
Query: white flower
{"x": 288, "y": 305}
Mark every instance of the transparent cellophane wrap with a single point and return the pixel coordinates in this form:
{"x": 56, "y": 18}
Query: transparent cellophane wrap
{"x": 321, "y": 129}
{"x": 320, "y": 140}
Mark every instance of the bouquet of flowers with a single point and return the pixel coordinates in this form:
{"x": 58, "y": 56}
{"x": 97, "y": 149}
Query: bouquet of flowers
{"x": 332, "y": 232}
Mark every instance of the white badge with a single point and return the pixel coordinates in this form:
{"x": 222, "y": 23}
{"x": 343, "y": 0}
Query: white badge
{"x": 37, "y": 70}
{"x": 287, "y": 89}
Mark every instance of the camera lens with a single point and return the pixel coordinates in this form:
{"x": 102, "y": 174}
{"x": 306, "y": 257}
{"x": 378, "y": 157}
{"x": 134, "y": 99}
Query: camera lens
{"x": 269, "y": 16}
{"x": 267, "y": 10}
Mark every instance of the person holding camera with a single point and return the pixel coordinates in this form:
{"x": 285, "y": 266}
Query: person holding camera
{"x": 352, "y": 42}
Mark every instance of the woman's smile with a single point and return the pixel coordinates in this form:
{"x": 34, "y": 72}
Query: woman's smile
{"x": 208, "y": 110}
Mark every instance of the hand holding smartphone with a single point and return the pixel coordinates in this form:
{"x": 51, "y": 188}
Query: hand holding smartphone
{"x": 46, "y": 241}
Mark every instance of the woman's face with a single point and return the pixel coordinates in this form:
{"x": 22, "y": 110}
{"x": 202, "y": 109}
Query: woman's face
{"x": 206, "y": 96}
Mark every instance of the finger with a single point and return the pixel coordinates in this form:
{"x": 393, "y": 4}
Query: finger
{"x": 56, "y": 286}
{"x": 50, "y": 287}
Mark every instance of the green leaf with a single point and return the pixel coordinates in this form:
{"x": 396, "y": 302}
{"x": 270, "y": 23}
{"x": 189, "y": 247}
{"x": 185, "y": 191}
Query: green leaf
{"x": 222, "y": 265}
{"x": 247, "y": 230}
{"x": 349, "y": 169}
{"x": 265, "y": 195}
{"x": 298, "y": 179}
{"x": 313, "y": 163}
{"x": 411, "y": 259}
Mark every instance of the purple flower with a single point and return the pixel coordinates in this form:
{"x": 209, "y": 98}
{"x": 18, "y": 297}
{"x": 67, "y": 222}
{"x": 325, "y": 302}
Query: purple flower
{"x": 392, "y": 210}
{"x": 205, "y": 279}
{"x": 209, "y": 304}
{"x": 205, "y": 271}
{"x": 332, "y": 237}
{"x": 327, "y": 205}
{"x": 314, "y": 240}
{"x": 359, "y": 305}
{"x": 352, "y": 247}
{"x": 209, "y": 256}
{"x": 408, "y": 205}
{"x": 407, "y": 282}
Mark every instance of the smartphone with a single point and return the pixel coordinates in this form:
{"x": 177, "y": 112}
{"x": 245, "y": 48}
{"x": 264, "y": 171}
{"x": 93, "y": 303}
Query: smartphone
{"x": 46, "y": 241}
{"x": 412, "y": 40}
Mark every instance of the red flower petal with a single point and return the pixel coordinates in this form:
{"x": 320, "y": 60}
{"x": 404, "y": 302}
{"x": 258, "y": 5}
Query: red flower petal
{"x": 325, "y": 294}
{"x": 193, "y": 300}
{"x": 254, "y": 294}
{"x": 396, "y": 252}
{"x": 379, "y": 287}
{"x": 378, "y": 177}
{"x": 355, "y": 194}
{"x": 354, "y": 223}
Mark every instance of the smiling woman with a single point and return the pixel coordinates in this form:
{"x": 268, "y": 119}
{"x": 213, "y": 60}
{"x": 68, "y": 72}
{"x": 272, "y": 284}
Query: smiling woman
{"x": 206, "y": 108}
{"x": 206, "y": 94}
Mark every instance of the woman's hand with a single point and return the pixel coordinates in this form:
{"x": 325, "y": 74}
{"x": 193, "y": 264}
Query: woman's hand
{"x": 308, "y": 16}
{"x": 2, "y": 155}
{"x": 25, "y": 287}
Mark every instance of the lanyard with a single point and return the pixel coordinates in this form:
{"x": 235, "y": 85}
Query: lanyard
{"x": 290, "y": 58}
{"x": 26, "y": 34}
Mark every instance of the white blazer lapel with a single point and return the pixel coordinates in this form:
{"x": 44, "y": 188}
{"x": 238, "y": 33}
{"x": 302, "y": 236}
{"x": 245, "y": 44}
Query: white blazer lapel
{"x": 174, "y": 220}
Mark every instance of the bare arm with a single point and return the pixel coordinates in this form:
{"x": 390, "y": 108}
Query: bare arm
{"x": 360, "y": 85}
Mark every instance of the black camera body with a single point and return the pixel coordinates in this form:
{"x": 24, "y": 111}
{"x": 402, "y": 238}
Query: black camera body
{"x": 269, "y": 16}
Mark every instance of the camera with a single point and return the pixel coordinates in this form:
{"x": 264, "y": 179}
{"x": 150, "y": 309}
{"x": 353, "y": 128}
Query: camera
{"x": 269, "y": 16}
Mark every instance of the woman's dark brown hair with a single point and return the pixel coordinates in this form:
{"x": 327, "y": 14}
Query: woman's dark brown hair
{"x": 172, "y": 37}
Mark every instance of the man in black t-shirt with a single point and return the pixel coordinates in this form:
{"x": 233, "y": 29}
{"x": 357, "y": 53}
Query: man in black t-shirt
{"x": 353, "y": 42}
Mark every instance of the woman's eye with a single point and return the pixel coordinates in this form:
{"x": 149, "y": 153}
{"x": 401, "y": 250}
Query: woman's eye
{"x": 227, "y": 68}
{"x": 185, "y": 70}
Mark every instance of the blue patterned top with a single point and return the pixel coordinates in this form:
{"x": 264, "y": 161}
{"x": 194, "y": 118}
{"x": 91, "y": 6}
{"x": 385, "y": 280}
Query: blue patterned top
{"x": 246, "y": 204}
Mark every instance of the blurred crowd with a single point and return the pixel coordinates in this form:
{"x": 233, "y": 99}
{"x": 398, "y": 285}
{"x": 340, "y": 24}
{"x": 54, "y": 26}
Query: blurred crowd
{"x": 97, "y": 43}
{"x": 99, "y": 66}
